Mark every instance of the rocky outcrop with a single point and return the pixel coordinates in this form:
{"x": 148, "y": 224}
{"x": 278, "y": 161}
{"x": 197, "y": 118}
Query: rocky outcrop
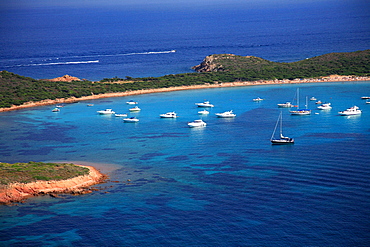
{"x": 64, "y": 78}
{"x": 209, "y": 64}
{"x": 18, "y": 192}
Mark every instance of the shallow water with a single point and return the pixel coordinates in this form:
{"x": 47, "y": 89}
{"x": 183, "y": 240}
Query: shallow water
{"x": 222, "y": 185}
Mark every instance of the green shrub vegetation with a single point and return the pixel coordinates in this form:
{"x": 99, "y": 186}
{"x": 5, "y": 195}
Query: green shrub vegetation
{"x": 16, "y": 89}
{"x": 33, "y": 171}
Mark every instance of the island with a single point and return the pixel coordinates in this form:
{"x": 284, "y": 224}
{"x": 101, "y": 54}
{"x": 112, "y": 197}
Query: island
{"x": 22, "y": 180}
{"x": 218, "y": 70}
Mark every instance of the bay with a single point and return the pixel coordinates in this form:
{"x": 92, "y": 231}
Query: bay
{"x": 222, "y": 185}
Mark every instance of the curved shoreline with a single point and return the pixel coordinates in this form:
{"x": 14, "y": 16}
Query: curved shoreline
{"x": 332, "y": 78}
{"x": 18, "y": 192}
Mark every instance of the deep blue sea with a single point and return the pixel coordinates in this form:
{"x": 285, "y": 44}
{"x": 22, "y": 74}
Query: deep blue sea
{"x": 170, "y": 185}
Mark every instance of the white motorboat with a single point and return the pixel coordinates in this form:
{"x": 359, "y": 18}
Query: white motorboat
{"x": 365, "y": 97}
{"x": 106, "y": 111}
{"x": 325, "y": 106}
{"x": 197, "y": 123}
{"x": 313, "y": 98}
{"x": 131, "y": 102}
{"x": 226, "y": 114}
{"x": 282, "y": 139}
{"x": 203, "y": 112}
{"x": 285, "y": 105}
{"x": 169, "y": 115}
{"x": 136, "y": 108}
{"x": 257, "y": 99}
{"x": 131, "y": 120}
{"x": 367, "y": 102}
{"x": 204, "y": 104}
{"x": 120, "y": 115}
{"x": 354, "y": 110}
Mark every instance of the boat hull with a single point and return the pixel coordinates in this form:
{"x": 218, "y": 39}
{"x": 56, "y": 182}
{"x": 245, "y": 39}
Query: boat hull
{"x": 282, "y": 141}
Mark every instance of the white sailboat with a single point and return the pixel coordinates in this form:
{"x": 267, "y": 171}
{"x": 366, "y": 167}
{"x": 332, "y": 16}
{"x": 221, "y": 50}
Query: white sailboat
{"x": 300, "y": 111}
{"x": 282, "y": 139}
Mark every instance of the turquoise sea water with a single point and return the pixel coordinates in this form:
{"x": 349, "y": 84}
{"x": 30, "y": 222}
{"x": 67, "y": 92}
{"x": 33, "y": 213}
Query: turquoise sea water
{"x": 222, "y": 185}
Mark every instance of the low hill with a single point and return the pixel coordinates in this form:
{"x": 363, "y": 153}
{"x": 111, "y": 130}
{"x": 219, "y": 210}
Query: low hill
{"x": 250, "y": 67}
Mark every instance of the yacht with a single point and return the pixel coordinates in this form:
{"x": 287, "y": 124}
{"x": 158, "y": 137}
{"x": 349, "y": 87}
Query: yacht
{"x": 325, "y": 106}
{"x": 169, "y": 115}
{"x": 285, "y": 105}
{"x": 106, "y": 111}
{"x": 204, "y": 104}
{"x": 136, "y": 108}
{"x": 197, "y": 123}
{"x": 131, "y": 102}
{"x": 226, "y": 114}
{"x": 257, "y": 99}
{"x": 131, "y": 120}
{"x": 300, "y": 112}
{"x": 354, "y": 110}
{"x": 120, "y": 115}
{"x": 203, "y": 112}
{"x": 282, "y": 139}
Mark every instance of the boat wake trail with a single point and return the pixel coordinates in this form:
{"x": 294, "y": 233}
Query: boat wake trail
{"x": 59, "y": 63}
{"x": 66, "y": 60}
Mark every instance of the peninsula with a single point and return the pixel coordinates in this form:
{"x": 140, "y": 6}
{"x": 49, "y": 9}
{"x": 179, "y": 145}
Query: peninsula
{"x": 22, "y": 180}
{"x": 219, "y": 70}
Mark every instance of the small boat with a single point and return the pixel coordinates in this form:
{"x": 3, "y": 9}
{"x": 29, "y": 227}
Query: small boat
{"x": 106, "y": 111}
{"x": 169, "y": 115}
{"x": 120, "y": 115}
{"x": 90, "y": 104}
{"x": 300, "y": 112}
{"x": 285, "y": 105}
{"x": 59, "y": 106}
{"x": 318, "y": 102}
{"x": 131, "y": 120}
{"x": 204, "y": 104}
{"x": 56, "y": 110}
{"x": 226, "y": 114}
{"x": 203, "y": 112}
{"x": 325, "y": 106}
{"x": 257, "y": 99}
{"x": 367, "y": 102}
{"x": 354, "y": 110}
{"x": 131, "y": 102}
{"x": 197, "y": 123}
{"x": 136, "y": 108}
{"x": 313, "y": 98}
{"x": 365, "y": 97}
{"x": 282, "y": 139}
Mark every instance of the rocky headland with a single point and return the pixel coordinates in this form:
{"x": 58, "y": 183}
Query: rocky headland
{"x": 18, "y": 192}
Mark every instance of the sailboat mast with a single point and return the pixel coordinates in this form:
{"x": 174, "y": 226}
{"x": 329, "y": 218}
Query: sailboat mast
{"x": 297, "y": 98}
{"x": 281, "y": 124}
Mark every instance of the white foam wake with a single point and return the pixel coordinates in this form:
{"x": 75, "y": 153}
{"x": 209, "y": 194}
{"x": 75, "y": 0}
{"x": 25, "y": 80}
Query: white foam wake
{"x": 60, "y": 63}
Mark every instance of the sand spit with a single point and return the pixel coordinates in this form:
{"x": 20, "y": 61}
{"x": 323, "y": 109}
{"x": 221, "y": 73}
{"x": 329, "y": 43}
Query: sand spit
{"x": 332, "y": 78}
{"x": 18, "y": 192}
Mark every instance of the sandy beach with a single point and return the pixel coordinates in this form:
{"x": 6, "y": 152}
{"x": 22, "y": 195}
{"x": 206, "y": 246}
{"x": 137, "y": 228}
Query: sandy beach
{"x": 332, "y": 78}
{"x": 18, "y": 192}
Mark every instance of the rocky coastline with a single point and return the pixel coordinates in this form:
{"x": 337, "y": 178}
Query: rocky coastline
{"x": 18, "y": 192}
